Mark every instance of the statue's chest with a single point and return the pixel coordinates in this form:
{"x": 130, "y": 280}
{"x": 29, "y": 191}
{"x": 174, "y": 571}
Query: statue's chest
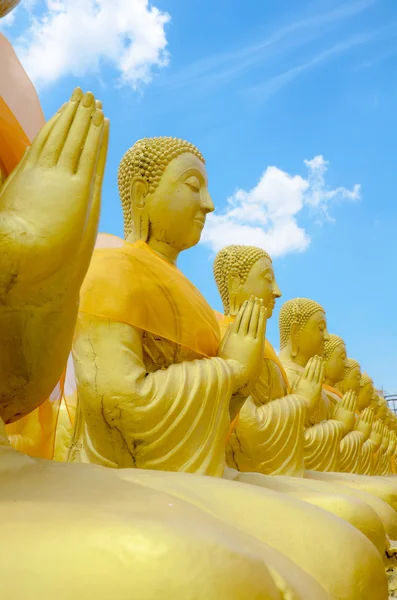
{"x": 159, "y": 353}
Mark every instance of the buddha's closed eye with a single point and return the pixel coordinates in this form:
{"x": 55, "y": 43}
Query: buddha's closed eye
{"x": 193, "y": 183}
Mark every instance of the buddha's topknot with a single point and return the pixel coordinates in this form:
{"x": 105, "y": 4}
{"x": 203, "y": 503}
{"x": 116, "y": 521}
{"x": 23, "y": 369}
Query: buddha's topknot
{"x": 365, "y": 379}
{"x": 297, "y": 310}
{"x": 236, "y": 259}
{"x": 148, "y": 158}
{"x": 333, "y": 342}
{"x": 350, "y": 365}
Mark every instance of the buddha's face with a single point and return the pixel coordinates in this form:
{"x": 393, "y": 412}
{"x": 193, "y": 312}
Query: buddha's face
{"x": 178, "y": 208}
{"x": 383, "y": 410}
{"x": 262, "y": 284}
{"x": 353, "y": 380}
{"x": 336, "y": 364}
{"x": 312, "y": 336}
{"x": 365, "y": 395}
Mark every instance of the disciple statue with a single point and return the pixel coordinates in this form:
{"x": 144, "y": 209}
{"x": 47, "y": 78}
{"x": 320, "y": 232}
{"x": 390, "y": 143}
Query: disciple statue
{"x": 155, "y": 387}
{"x": 344, "y": 405}
{"x": 268, "y": 434}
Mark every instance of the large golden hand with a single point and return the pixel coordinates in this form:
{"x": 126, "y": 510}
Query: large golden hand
{"x": 309, "y": 384}
{"x": 243, "y": 345}
{"x": 345, "y": 411}
{"x": 49, "y": 212}
{"x": 365, "y": 422}
{"x": 50, "y": 207}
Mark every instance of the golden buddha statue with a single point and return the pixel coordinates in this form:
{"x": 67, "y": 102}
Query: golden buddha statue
{"x": 382, "y": 462}
{"x": 303, "y": 334}
{"x": 59, "y": 518}
{"x": 362, "y": 385}
{"x": 157, "y": 390}
{"x": 344, "y": 404}
{"x": 267, "y": 437}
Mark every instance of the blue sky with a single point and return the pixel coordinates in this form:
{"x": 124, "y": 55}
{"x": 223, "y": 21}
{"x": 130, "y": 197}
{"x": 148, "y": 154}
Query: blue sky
{"x": 293, "y": 106}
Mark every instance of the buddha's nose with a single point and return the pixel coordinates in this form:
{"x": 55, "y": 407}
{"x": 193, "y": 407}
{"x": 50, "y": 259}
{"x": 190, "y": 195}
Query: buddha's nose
{"x": 206, "y": 202}
{"x": 276, "y": 291}
{"x": 326, "y": 335}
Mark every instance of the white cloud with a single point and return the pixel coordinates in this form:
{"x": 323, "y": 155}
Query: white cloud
{"x": 266, "y": 216}
{"x": 76, "y": 37}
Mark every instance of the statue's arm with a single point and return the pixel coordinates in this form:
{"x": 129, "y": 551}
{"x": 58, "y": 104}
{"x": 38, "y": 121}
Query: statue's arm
{"x": 49, "y": 212}
{"x": 36, "y": 341}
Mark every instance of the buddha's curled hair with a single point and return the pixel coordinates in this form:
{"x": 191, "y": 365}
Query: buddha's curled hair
{"x": 297, "y": 310}
{"x": 148, "y": 158}
{"x": 238, "y": 260}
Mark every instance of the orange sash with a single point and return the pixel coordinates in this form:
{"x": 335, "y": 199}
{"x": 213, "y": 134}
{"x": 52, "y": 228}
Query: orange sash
{"x": 13, "y": 140}
{"x": 18, "y": 92}
{"x": 333, "y": 390}
{"x": 269, "y": 354}
{"x": 129, "y": 283}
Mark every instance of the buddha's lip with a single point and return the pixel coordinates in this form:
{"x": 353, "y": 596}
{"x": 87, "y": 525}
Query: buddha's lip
{"x": 200, "y": 220}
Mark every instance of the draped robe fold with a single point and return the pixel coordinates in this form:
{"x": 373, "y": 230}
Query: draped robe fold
{"x": 177, "y": 416}
{"x": 351, "y": 444}
{"x": 322, "y": 433}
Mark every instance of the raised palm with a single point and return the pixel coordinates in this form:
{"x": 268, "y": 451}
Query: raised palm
{"x": 50, "y": 207}
{"x": 365, "y": 422}
{"x": 345, "y": 411}
{"x": 310, "y": 382}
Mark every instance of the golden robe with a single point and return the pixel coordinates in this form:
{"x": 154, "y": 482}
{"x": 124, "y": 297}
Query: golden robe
{"x": 323, "y": 434}
{"x": 351, "y": 445}
{"x": 178, "y": 415}
{"x": 268, "y": 435}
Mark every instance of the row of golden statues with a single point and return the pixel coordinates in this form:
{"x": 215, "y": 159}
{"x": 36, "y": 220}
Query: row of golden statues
{"x": 150, "y": 446}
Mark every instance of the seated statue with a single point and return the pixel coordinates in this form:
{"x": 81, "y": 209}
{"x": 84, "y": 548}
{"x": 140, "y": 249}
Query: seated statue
{"x": 303, "y": 334}
{"x": 157, "y": 390}
{"x": 344, "y": 405}
{"x": 268, "y": 436}
{"x": 59, "y": 518}
{"x": 363, "y": 387}
{"x": 382, "y": 464}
